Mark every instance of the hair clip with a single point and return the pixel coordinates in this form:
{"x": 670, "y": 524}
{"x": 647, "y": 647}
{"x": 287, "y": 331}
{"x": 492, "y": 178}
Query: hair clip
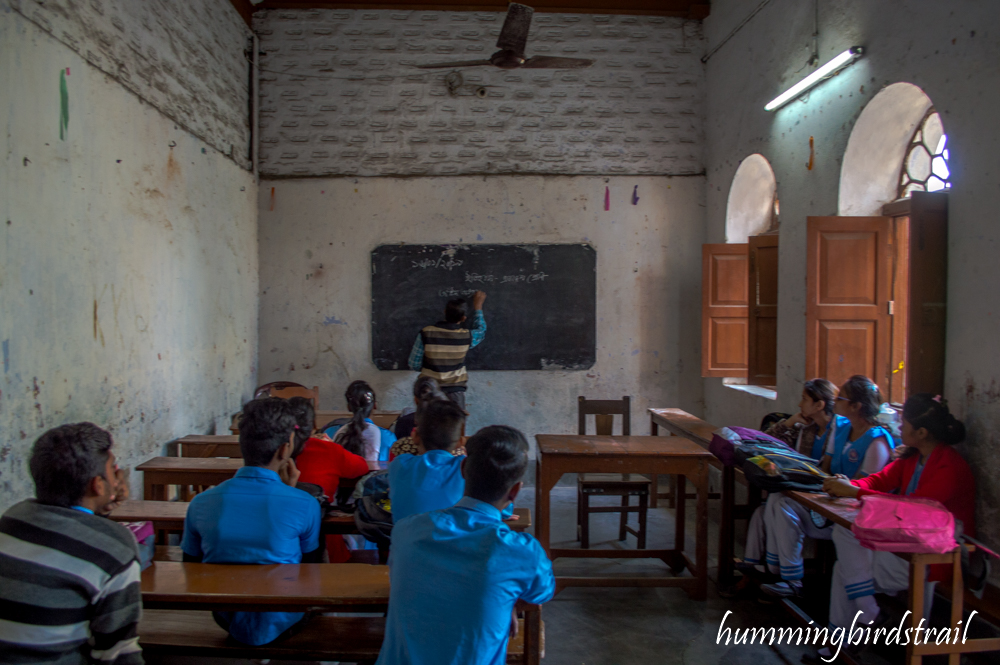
{"x": 296, "y": 427}
{"x": 937, "y": 398}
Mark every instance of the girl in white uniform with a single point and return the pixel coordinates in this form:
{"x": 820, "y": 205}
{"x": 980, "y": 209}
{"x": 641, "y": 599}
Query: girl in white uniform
{"x": 854, "y": 446}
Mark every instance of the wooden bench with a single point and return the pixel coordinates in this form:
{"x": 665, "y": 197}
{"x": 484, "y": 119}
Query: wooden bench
{"x": 169, "y": 516}
{"x": 843, "y": 511}
{"x": 681, "y": 423}
{"x": 176, "y": 597}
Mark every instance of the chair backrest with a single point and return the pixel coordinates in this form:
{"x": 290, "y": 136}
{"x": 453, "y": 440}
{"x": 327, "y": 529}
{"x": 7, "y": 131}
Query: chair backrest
{"x": 604, "y": 412}
{"x": 286, "y": 390}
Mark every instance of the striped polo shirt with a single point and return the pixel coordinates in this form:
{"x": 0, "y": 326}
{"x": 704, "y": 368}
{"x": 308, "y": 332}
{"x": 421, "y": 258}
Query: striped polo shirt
{"x": 445, "y": 348}
{"x": 69, "y": 588}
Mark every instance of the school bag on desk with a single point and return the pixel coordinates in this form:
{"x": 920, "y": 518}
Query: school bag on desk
{"x": 904, "y": 524}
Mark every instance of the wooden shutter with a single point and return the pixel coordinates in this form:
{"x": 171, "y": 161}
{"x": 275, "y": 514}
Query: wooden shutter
{"x": 724, "y": 310}
{"x": 920, "y": 295}
{"x": 848, "y": 286}
{"x": 762, "y": 312}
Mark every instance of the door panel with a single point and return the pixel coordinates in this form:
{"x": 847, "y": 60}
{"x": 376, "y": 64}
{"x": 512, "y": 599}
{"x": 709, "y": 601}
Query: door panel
{"x": 724, "y": 310}
{"x": 848, "y": 287}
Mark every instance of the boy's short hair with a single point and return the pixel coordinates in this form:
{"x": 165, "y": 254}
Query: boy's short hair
{"x": 455, "y": 310}
{"x": 440, "y": 424}
{"x": 498, "y": 458}
{"x": 65, "y": 459}
{"x": 266, "y": 424}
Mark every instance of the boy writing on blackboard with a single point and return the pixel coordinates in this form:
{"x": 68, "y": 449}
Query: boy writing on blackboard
{"x": 439, "y": 350}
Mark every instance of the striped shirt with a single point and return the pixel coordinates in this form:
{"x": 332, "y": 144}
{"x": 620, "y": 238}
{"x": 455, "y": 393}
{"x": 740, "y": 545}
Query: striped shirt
{"x": 439, "y": 351}
{"x": 69, "y": 588}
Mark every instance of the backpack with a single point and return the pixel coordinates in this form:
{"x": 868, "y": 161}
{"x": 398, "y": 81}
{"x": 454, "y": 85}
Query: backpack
{"x": 728, "y": 440}
{"x": 372, "y": 508}
{"x": 904, "y": 524}
{"x": 775, "y": 467}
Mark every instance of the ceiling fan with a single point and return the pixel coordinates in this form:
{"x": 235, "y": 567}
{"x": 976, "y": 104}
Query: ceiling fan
{"x": 513, "y": 38}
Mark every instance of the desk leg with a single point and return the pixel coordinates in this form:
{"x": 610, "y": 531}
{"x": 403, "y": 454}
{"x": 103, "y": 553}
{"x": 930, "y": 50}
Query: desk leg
{"x": 918, "y": 573}
{"x": 679, "y": 515}
{"x": 545, "y": 480}
{"x": 957, "y": 599}
{"x": 701, "y": 534}
{"x": 727, "y": 527}
{"x": 654, "y": 482}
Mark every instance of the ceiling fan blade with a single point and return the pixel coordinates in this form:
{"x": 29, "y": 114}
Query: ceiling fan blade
{"x": 552, "y": 62}
{"x": 459, "y": 63}
{"x": 514, "y": 34}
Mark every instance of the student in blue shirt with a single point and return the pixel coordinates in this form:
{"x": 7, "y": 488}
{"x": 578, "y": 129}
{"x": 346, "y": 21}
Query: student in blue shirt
{"x": 433, "y": 479}
{"x": 457, "y": 573}
{"x": 258, "y": 516}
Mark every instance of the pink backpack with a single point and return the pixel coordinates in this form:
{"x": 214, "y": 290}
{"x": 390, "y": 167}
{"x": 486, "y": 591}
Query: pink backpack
{"x": 904, "y": 524}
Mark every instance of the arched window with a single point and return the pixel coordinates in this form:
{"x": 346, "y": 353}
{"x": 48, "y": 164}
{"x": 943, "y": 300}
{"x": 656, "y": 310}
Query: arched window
{"x": 752, "y": 205}
{"x": 925, "y": 167}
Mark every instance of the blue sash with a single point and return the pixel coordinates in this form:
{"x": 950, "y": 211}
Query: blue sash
{"x": 847, "y": 459}
{"x": 841, "y": 427}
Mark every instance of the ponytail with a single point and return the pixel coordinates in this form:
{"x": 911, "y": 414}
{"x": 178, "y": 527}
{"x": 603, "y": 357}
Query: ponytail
{"x": 360, "y": 401}
{"x": 305, "y": 417}
{"x": 931, "y": 412}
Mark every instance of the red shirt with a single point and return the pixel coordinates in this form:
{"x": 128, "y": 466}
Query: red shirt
{"x": 946, "y": 478}
{"x": 323, "y": 462}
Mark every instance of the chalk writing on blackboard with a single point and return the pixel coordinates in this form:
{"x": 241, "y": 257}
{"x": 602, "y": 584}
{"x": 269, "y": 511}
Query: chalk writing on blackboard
{"x": 476, "y": 278}
{"x": 445, "y": 262}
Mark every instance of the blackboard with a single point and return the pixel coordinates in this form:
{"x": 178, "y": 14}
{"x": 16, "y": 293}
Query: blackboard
{"x": 540, "y": 305}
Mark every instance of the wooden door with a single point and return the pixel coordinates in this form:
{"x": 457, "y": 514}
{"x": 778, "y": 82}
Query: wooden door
{"x": 724, "y": 310}
{"x": 762, "y": 311}
{"x": 848, "y": 286}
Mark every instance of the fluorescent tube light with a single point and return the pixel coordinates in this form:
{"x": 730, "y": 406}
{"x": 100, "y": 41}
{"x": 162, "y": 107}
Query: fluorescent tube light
{"x": 829, "y": 69}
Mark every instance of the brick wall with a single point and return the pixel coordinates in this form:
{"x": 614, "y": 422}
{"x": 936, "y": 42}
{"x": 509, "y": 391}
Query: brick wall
{"x": 187, "y": 59}
{"x": 340, "y": 95}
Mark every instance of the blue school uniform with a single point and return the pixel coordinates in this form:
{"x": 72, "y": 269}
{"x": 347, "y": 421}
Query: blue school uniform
{"x": 848, "y": 456}
{"x": 841, "y": 428}
{"x": 253, "y": 518}
{"x": 455, "y": 576}
{"x": 422, "y": 483}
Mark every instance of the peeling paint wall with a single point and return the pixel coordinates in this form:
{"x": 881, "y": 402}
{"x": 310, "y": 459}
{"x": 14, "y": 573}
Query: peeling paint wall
{"x": 951, "y": 51}
{"x": 340, "y": 95}
{"x": 316, "y": 238}
{"x": 128, "y": 262}
{"x": 188, "y": 59}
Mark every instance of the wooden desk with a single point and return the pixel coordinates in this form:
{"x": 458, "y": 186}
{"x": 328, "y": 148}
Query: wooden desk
{"x": 165, "y": 515}
{"x": 207, "y": 445}
{"x": 838, "y": 509}
{"x": 681, "y": 423}
{"x": 170, "y": 516}
{"x": 843, "y": 511}
{"x": 159, "y": 472}
{"x": 687, "y": 460}
{"x": 383, "y": 419}
{"x": 289, "y": 587}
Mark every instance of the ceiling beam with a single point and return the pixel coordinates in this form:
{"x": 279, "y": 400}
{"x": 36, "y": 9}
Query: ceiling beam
{"x": 691, "y": 9}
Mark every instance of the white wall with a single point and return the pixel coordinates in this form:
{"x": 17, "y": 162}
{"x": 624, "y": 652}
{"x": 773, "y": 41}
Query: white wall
{"x": 340, "y": 95}
{"x": 316, "y": 238}
{"x": 128, "y": 263}
{"x": 950, "y": 51}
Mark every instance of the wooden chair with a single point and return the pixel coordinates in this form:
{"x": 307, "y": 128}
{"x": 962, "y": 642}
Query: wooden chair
{"x": 609, "y": 484}
{"x": 287, "y": 389}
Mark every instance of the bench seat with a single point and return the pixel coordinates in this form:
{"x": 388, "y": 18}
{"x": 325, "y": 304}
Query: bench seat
{"x": 323, "y": 638}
